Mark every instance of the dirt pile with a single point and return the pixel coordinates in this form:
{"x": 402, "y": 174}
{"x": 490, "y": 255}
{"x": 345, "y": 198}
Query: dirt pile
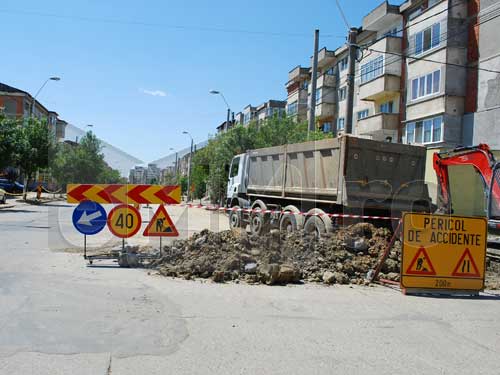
{"x": 344, "y": 257}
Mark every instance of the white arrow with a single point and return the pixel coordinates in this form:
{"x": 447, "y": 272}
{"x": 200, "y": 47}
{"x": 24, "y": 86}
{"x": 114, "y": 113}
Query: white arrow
{"x": 86, "y": 219}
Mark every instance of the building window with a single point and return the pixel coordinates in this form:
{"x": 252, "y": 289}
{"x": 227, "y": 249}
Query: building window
{"x": 246, "y": 118}
{"x": 425, "y": 131}
{"x": 318, "y": 95}
{"x": 363, "y": 114}
{"x": 342, "y": 93}
{"x": 343, "y": 64}
{"x": 372, "y": 69}
{"x": 292, "y": 108}
{"x": 305, "y": 85}
{"x": 427, "y": 39}
{"x": 327, "y": 127}
{"x": 387, "y": 107}
{"x": 426, "y": 85}
{"x": 330, "y": 72}
{"x": 340, "y": 123}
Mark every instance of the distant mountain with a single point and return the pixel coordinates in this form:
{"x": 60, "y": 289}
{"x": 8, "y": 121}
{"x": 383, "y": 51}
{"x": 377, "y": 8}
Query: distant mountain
{"x": 114, "y": 157}
{"x": 169, "y": 160}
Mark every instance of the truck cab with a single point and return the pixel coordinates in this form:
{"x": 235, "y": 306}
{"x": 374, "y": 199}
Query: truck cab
{"x": 236, "y": 185}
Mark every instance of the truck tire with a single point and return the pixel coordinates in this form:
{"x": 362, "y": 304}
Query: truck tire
{"x": 259, "y": 221}
{"x": 319, "y": 224}
{"x": 235, "y": 217}
{"x": 291, "y": 220}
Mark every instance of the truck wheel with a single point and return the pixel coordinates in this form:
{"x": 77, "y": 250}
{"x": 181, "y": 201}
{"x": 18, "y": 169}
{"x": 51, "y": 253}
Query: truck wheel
{"x": 314, "y": 225}
{"x": 235, "y": 217}
{"x": 319, "y": 224}
{"x": 259, "y": 221}
{"x": 291, "y": 220}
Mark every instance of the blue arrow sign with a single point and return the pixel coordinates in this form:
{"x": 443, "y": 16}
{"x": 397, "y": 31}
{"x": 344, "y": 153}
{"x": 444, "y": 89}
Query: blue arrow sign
{"x": 89, "y": 217}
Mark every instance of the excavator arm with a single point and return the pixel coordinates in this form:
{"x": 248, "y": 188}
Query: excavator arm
{"x": 482, "y": 159}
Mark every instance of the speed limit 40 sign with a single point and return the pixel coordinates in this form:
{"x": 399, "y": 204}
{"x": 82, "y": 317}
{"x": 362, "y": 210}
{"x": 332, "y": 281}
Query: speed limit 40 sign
{"x": 124, "y": 221}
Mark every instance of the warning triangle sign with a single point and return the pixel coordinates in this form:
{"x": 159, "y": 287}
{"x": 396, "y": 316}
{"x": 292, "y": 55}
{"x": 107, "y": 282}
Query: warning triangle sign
{"x": 161, "y": 225}
{"x": 421, "y": 264}
{"x": 466, "y": 267}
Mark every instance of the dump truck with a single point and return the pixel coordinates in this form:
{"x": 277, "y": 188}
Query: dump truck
{"x": 313, "y": 185}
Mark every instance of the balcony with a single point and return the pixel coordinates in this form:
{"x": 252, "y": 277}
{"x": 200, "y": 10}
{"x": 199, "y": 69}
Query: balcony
{"x": 381, "y": 17}
{"x": 378, "y": 123}
{"x": 325, "y": 58}
{"x": 298, "y": 74}
{"x": 380, "y": 87}
{"x": 326, "y": 80}
{"x": 325, "y": 110}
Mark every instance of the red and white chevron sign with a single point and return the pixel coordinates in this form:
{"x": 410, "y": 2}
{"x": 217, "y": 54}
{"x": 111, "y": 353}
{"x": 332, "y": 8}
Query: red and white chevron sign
{"x": 127, "y": 194}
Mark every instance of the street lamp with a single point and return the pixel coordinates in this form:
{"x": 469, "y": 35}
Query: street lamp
{"x": 216, "y": 92}
{"x": 176, "y": 161}
{"x": 38, "y": 92}
{"x": 189, "y": 164}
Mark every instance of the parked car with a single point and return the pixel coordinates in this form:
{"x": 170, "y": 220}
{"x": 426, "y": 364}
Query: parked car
{"x": 11, "y": 187}
{"x": 3, "y": 196}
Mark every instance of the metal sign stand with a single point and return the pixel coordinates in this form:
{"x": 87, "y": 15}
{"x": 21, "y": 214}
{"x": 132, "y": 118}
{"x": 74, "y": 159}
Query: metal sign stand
{"x": 160, "y": 248}
{"x": 84, "y": 246}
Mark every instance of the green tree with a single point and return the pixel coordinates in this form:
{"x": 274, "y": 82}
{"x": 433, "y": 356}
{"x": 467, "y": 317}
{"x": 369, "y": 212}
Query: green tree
{"x": 210, "y": 165}
{"x": 36, "y": 143}
{"x": 10, "y": 141}
{"x": 83, "y": 163}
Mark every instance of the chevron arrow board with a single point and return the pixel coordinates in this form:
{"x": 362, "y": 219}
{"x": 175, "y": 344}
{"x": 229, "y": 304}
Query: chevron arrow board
{"x": 126, "y": 194}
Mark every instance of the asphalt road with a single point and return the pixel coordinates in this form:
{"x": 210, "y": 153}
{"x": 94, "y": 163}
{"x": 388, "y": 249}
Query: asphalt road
{"x": 58, "y": 316}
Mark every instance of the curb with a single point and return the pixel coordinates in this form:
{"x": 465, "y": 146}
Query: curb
{"x": 6, "y": 206}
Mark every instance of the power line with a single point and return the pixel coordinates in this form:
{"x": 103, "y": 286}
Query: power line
{"x": 161, "y": 25}
{"x": 417, "y": 22}
{"x": 444, "y": 37}
{"x": 435, "y": 61}
{"x": 342, "y": 14}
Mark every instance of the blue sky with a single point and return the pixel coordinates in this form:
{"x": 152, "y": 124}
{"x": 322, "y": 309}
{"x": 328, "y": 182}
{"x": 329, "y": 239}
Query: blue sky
{"x": 140, "y": 72}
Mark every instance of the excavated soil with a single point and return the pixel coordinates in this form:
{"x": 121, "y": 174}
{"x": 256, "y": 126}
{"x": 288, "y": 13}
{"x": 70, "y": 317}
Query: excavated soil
{"x": 347, "y": 256}
{"x": 276, "y": 258}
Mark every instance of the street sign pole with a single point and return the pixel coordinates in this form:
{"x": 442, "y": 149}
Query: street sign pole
{"x": 161, "y": 249}
{"x": 84, "y": 246}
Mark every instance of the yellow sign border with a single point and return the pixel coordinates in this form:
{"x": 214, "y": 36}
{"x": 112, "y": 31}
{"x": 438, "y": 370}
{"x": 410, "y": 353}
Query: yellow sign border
{"x": 437, "y": 277}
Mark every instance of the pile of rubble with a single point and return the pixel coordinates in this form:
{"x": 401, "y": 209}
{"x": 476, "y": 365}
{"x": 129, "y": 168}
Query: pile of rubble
{"x": 344, "y": 257}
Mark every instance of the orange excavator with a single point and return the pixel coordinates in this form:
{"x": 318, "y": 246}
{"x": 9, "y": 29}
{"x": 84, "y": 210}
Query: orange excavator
{"x": 482, "y": 159}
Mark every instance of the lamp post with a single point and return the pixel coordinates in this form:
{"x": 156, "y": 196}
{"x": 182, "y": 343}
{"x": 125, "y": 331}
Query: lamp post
{"x": 176, "y": 161}
{"x": 189, "y": 165}
{"x": 38, "y": 92}
{"x": 216, "y": 92}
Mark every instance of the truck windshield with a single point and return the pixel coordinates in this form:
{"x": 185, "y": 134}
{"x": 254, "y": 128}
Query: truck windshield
{"x": 234, "y": 167}
{"x": 495, "y": 194}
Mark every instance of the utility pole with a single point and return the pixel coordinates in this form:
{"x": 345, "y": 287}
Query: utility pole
{"x": 228, "y": 118}
{"x": 314, "y": 78}
{"x": 176, "y": 168}
{"x": 189, "y": 171}
{"x": 353, "y": 33}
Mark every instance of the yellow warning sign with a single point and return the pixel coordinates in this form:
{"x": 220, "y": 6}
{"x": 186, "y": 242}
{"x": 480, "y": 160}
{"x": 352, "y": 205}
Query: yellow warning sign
{"x": 161, "y": 225}
{"x": 443, "y": 252}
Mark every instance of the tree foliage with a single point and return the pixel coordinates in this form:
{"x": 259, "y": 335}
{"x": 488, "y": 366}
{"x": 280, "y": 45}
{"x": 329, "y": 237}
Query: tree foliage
{"x": 82, "y": 163}
{"x": 210, "y": 164}
{"x": 10, "y": 138}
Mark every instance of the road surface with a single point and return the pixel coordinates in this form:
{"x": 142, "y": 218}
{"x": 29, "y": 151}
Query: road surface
{"x": 58, "y": 316}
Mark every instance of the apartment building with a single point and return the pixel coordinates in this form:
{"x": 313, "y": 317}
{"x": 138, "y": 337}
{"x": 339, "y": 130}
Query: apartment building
{"x": 18, "y": 103}
{"x": 270, "y": 109}
{"x": 482, "y": 123}
{"x": 298, "y": 88}
{"x": 326, "y": 86}
{"x": 378, "y": 74}
{"x": 434, "y": 83}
